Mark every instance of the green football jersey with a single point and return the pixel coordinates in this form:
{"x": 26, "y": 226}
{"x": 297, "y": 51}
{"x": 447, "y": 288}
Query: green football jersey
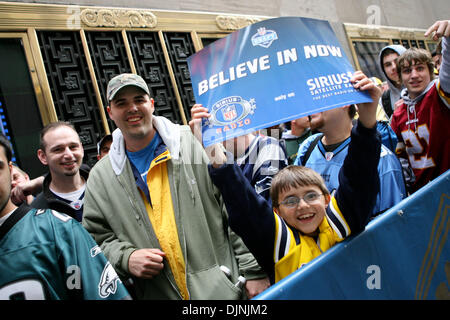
{"x": 45, "y": 254}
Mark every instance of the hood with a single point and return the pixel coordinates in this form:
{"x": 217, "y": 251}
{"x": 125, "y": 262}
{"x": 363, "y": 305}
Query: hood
{"x": 169, "y": 132}
{"x": 397, "y": 48}
{"x": 395, "y": 92}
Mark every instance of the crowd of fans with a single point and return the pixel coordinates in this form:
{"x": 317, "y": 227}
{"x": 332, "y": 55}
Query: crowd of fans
{"x": 161, "y": 217}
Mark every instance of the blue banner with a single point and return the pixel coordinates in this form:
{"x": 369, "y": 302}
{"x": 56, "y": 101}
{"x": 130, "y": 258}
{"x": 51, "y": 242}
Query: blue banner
{"x": 268, "y": 73}
{"x": 402, "y": 254}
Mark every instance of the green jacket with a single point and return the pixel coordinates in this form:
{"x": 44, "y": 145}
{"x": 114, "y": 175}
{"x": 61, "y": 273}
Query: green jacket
{"x": 115, "y": 215}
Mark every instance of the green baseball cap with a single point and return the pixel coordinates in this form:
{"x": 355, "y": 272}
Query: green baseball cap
{"x": 123, "y": 80}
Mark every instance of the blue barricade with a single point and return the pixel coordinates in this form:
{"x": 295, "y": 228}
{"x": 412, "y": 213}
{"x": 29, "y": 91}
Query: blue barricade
{"x": 402, "y": 254}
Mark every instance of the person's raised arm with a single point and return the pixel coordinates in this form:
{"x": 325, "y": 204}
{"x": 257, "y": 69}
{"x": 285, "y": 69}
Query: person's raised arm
{"x": 358, "y": 177}
{"x": 367, "y": 111}
{"x": 441, "y": 29}
{"x": 214, "y": 152}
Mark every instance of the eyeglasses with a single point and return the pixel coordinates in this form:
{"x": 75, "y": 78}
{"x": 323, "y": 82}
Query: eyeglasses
{"x": 293, "y": 201}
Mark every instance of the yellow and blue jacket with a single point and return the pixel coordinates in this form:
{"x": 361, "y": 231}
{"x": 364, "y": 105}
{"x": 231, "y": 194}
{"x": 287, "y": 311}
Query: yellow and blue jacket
{"x": 281, "y": 249}
{"x": 118, "y": 216}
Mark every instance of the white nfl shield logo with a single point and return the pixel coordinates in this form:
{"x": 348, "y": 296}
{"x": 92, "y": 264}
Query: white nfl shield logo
{"x": 329, "y": 155}
{"x": 229, "y": 112}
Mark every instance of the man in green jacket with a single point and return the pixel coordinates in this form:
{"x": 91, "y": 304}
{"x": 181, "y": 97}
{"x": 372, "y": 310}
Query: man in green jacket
{"x": 152, "y": 207}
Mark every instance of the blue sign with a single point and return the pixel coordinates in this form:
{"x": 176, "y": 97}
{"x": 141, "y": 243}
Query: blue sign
{"x": 402, "y": 254}
{"x": 268, "y": 73}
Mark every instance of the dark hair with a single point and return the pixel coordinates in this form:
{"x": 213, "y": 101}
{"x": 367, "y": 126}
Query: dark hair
{"x": 4, "y": 142}
{"x": 352, "y": 111}
{"x": 50, "y": 127}
{"x": 414, "y": 56}
{"x": 101, "y": 143}
{"x": 386, "y": 52}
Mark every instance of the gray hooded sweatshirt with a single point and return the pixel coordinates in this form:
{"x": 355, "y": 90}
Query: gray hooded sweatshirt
{"x": 395, "y": 92}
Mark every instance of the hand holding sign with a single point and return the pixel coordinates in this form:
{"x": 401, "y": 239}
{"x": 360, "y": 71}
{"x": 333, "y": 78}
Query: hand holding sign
{"x": 198, "y": 112}
{"x": 214, "y": 152}
{"x": 268, "y": 73}
{"x": 367, "y": 111}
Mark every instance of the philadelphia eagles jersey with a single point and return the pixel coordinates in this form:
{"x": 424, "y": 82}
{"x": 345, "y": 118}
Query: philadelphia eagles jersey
{"x": 48, "y": 255}
{"x": 328, "y": 163}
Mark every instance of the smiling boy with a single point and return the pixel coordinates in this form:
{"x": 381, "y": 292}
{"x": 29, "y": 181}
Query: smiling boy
{"x": 305, "y": 219}
{"x": 421, "y": 122}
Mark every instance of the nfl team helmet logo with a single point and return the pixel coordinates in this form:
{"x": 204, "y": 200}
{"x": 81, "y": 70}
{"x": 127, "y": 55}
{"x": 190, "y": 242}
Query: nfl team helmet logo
{"x": 264, "y": 38}
{"x": 229, "y": 112}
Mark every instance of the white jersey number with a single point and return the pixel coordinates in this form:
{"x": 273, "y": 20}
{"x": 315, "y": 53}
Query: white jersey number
{"x": 415, "y": 147}
{"x": 23, "y": 290}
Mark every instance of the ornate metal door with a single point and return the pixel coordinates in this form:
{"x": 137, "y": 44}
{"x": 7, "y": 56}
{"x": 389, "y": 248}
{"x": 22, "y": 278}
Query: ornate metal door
{"x": 78, "y": 64}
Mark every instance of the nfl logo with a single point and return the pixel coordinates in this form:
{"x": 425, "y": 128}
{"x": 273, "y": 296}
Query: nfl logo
{"x": 229, "y": 112}
{"x": 262, "y": 31}
{"x": 77, "y": 204}
{"x": 264, "y": 37}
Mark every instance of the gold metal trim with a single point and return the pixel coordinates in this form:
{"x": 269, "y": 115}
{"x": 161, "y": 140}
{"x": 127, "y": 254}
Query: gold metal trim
{"x": 29, "y": 17}
{"x": 48, "y": 112}
{"x": 226, "y": 22}
{"x": 359, "y": 32}
{"x": 40, "y": 99}
{"x": 355, "y": 31}
{"x": 128, "y": 50}
{"x": 172, "y": 76}
{"x": 369, "y": 32}
{"x": 202, "y": 36}
{"x": 20, "y": 16}
{"x": 118, "y": 18}
{"x": 98, "y": 95}
{"x": 353, "y": 51}
{"x": 407, "y": 34}
{"x": 354, "y": 55}
{"x": 198, "y": 45}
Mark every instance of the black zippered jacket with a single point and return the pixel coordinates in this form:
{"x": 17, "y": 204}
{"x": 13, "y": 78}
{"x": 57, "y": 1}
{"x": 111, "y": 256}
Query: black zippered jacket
{"x": 48, "y": 200}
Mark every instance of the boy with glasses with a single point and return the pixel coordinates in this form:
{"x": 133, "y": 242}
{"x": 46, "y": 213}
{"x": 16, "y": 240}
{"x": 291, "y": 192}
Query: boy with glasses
{"x": 305, "y": 219}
